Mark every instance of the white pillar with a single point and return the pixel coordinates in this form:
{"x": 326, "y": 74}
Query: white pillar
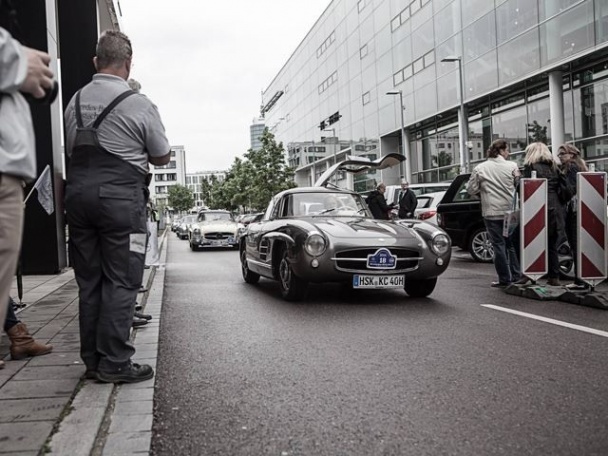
{"x": 556, "y": 110}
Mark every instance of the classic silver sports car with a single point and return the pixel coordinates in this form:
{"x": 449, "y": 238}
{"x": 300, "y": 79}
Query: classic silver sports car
{"x": 320, "y": 234}
{"x": 213, "y": 228}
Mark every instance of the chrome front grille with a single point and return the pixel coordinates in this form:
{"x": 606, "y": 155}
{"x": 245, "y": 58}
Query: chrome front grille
{"x": 218, "y": 236}
{"x": 355, "y": 260}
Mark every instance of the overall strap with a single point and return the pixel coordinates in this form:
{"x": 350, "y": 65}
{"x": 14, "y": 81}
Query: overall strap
{"x": 111, "y": 106}
{"x": 77, "y": 110}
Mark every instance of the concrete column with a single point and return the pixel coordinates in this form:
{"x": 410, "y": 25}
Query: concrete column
{"x": 556, "y": 109}
{"x": 407, "y": 166}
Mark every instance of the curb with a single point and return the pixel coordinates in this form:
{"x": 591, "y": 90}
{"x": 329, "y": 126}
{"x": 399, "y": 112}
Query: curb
{"x": 116, "y": 419}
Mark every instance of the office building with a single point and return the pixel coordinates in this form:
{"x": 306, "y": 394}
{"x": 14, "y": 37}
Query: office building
{"x": 255, "y": 130}
{"x": 166, "y": 176}
{"x": 199, "y": 182}
{"x": 530, "y": 69}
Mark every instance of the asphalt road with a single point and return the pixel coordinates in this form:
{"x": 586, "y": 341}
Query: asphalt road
{"x": 241, "y": 372}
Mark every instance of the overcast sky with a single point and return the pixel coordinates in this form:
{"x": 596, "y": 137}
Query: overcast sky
{"x": 205, "y": 63}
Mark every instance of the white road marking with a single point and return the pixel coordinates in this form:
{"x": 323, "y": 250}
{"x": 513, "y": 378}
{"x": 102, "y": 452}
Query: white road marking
{"x": 597, "y": 332}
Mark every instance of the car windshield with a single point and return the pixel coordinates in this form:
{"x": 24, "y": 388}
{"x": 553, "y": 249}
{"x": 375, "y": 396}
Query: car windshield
{"x": 215, "y": 216}
{"x": 336, "y": 204}
{"x": 189, "y": 219}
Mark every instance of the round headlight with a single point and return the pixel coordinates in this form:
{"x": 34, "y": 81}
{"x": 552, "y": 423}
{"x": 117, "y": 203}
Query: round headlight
{"x": 315, "y": 244}
{"x": 440, "y": 244}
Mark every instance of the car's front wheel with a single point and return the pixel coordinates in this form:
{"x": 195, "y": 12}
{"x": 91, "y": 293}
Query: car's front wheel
{"x": 248, "y": 276}
{"x": 480, "y": 246}
{"x": 192, "y": 246}
{"x": 292, "y": 287}
{"x": 420, "y": 288}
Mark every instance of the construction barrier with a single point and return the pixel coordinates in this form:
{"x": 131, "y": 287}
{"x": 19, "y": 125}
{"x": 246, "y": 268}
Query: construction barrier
{"x": 591, "y": 221}
{"x": 533, "y": 227}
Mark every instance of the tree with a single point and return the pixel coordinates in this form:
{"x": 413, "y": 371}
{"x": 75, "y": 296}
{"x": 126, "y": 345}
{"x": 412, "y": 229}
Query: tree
{"x": 268, "y": 171}
{"x": 252, "y": 181}
{"x": 180, "y": 198}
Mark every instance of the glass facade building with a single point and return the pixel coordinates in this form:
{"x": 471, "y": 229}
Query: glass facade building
{"x": 531, "y": 70}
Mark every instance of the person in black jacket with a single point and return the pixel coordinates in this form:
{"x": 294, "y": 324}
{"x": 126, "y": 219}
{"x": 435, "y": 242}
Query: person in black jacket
{"x": 377, "y": 203}
{"x": 539, "y": 158}
{"x": 407, "y": 201}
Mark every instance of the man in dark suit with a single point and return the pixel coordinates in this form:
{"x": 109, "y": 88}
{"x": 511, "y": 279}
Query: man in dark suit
{"x": 407, "y": 201}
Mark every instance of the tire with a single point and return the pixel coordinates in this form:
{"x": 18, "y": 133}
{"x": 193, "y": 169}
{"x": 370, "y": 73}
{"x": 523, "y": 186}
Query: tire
{"x": 292, "y": 287}
{"x": 420, "y": 288}
{"x": 248, "y": 276}
{"x": 480, "y": 246}
{"x": 193, "y": 247}
{"x": 566, "y": 262}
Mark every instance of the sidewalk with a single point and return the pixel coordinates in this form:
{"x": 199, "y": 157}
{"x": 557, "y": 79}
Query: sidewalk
{"x": 44, "y": 406}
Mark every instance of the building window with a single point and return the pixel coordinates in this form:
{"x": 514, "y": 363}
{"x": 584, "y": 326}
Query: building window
{"x": 172, "y": 153}
{"x": 363, "y": 51}
{"x": 366, "y": 98}
{"x": 328, "y": 82}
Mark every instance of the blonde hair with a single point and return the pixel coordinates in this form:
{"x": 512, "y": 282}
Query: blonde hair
{"x": 538, "y": 152}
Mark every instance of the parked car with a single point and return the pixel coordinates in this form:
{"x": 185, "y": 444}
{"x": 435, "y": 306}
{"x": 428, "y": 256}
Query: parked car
{"x": 459, "y": 215}
{"x": 184, "y": 226}
{"x": 213, "y": 228}
{"x": 427, "y": 207}
{"x": 319, "y": 234}
{"x": 392, "y": 191}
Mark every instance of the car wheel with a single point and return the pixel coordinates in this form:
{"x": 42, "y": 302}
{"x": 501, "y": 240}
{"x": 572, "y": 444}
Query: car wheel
{"x": 193, "y": 247}
{"x": 248, "y": 276}
{"x": 480, "y": 246}
{"x": 420, "y": 288}
{"x": 292, "y": 287}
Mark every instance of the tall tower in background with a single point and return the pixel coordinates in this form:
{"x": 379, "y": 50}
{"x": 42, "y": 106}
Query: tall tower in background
{"x": 256, "y": 129}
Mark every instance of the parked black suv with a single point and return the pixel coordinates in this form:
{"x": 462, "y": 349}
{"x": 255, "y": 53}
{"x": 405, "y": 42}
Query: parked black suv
{"x": 459, "y": 214}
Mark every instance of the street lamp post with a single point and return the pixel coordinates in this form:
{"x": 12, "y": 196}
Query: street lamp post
{"x": 462, "y": 127}
{"x": 408, "y": 169}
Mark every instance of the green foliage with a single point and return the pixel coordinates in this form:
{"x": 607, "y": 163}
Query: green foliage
{"x": 251, "y": 182}
{"x": 180, "y": 198}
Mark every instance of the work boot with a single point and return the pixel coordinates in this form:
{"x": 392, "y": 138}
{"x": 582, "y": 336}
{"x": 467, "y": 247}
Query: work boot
{"x": 137, "y": 322}
{"x": 22, "y": 344}
{"x": 131, "y": 373}
{"x": 142, "y": 315}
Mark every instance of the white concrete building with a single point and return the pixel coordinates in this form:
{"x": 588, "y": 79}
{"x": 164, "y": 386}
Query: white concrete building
{"x": 164, "y": 177}
{"x": 194, "y": 183}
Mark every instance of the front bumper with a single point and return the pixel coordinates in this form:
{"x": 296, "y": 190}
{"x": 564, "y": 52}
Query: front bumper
{"x": 199, "y": 241}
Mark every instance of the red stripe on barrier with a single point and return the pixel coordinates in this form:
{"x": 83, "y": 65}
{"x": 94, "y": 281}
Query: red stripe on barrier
{"x": 531, "y": 186}
{"x": 588, "y": 269}
{"x": 538, "y": 266}
{"x": 592, "y": 225}
{"x": 596, "y": 181}
{"x": 534, "y": 226}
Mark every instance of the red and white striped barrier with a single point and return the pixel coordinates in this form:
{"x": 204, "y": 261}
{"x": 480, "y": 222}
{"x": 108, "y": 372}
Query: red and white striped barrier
{"x": 591, "y": 221}
{"x": 533, "y": 227}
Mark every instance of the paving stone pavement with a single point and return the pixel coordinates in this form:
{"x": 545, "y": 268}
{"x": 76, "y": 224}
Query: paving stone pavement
{"x": 45, "y": 407}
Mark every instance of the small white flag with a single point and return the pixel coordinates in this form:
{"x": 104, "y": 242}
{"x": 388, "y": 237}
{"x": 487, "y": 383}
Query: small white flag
{"x": 45, "y": 190}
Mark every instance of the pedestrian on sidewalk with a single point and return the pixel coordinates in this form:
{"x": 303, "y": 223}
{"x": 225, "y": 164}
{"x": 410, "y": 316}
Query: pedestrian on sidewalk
{"x": 495, "y": 181}
{"x": 22, "y": 71}
{"x": 572, "y": 164}
{"x": 112, "y": 133}
{"x": 377, "y": 203}
{"x": 22, "y": 343}
{"x": 539, "y": 158}
{"x": 407, "y": 201}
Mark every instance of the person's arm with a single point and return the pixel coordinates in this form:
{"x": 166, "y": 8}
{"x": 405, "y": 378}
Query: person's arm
{"x": 160, "y": 161}
{"x": 473, "y": 187}
{"x": 22, "y": 68}
{"x": 157, "y": 144}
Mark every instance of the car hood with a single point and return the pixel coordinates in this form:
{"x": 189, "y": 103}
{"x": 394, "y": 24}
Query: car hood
{"x": 360, "y": 228}
{"x": 218, "y": 225}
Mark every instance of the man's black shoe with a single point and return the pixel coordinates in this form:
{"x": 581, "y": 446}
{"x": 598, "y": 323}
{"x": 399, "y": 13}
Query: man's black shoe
{"x": 139, "y": 322}
{"x": 143, "y": 316}
{"x": 132, "y": 373}
{"x": 142, "y": 289}
{"x": 138, "y": 307}
{"x": 89, "y": 374}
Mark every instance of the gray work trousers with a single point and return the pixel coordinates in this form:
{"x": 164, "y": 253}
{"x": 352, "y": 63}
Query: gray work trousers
{"x": 107, "y": 247}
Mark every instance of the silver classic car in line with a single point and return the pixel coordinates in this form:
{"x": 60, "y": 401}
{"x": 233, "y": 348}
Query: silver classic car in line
{"x": 213, "y": 228}
{"x": 320, "y": 234}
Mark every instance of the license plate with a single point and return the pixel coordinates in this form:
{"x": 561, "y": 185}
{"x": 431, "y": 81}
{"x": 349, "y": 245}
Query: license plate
{"x": 218, "y": 242}
{"x": 368, "y": 281}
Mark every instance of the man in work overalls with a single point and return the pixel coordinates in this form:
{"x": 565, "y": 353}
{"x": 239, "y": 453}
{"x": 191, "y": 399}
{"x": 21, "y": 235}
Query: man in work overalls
{"x": 111, "y": 135}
